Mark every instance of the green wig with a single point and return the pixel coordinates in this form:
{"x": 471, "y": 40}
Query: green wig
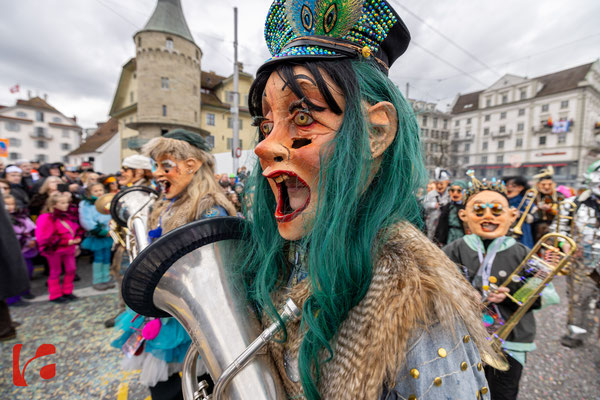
{"x": 355, "y": 207}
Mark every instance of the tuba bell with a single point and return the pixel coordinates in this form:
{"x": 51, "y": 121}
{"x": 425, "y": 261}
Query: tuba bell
{"x": 190, "y": 273}
{"x": 130, "y": 209}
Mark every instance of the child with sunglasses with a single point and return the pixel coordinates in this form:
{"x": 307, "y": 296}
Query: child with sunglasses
{"x": 488, "y": 253}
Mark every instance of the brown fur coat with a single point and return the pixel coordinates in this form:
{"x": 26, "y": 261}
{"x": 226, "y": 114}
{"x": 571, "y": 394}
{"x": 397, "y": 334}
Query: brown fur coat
{"x": 414, "y": 286}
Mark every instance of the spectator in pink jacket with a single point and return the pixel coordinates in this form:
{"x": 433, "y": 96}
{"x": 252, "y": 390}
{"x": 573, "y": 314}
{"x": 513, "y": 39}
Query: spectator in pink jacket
{"x": 57, "y": 236}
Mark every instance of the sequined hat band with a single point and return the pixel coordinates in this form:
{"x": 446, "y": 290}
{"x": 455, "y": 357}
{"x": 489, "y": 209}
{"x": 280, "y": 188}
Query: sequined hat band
{"x": 337, "y": 46}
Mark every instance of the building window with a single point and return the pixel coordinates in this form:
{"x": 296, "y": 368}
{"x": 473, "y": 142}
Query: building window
{"x": 169, "y": 44}
{"x": 424, "y": 120}
{"x": 564, "y": 104}
{"x": 487, "y": 117}
{"x": 12, "y": 126}
{"x": 230, "y": 143}
{"x": 519, "y": 143}
{"x": 523, "y": 94}
{"x": 503, "y": 115}
{"x": 500, "y": 144}
{"x": 542, "y": 140}
{"x": 545, "y": 107}
{"x": 521, "y": 112}
{"x": 230, "y": 96}
{"x": 198, "y": 57}
{"x": 484, "y": 159}
{"x": 466, "y": 159}
{"x": 41, "y": 158}
{"x": 39, "y": 116}
{"x": 195, "y": 116}
{"x": 467, "y": 146}
{"x": 484, "y": 146}
{"x": 562, "y": 138}
{"x": 164, "y": 82}
{"x": 520, "y": 127}
{"x": 456, "y": 133}
{"x": 455, "y": 147}
{"x": 56, "y": 119}
{"x": 504, "y": 98}
{"x": 468, "y": 121}
{"x": 457, "y": 122}
{"x": 131, "y": 97}
{"x": 39, "y": 131}
{"x": 139, "y": 42}
{"x": 65, "y": 133}
{"x": 435, "y": 122}
{"x": 210, "y": 119}
{"x": 499, "y": 158}
{"x": 195, "y": 90}
{"x": 445, "y": 124}
{"x": 210, "y": 139}
{"x": 65, "y": 146}
{"x": 164, "y": 110}
{"x": 21, "y": 114}
{"x": 14, "y": 142}
{"x": 488, "y": 102}
{"x": 230, "y": 123}
{"x": 502, "y": 129}
{"x": 468, "y": 133}
{"x": 486, "y": 131}
{"x": 14, "y": 156}
{"x": 425, "y": 132}
{"x": 41, "y": 144}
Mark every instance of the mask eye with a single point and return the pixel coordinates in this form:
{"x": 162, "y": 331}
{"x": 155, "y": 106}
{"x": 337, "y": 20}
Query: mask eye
{"x": 479, "y": 209}
{"x": 266, "y": 127}
{"x": 496, "y": 209}
{"x": 303, "y": 118}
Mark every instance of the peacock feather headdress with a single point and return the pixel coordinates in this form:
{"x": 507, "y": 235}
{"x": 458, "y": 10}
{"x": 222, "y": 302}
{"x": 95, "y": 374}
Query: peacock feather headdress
{"x": 324, "y": 29}
{"x": 476, "y": 186}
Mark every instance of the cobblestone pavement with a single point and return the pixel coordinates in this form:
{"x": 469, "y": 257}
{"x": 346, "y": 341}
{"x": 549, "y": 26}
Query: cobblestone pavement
{"x": 555, "y": 372}
{"x": 88, "y": 368}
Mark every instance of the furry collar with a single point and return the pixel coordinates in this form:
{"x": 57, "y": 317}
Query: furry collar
{"x": 414, "y": 285}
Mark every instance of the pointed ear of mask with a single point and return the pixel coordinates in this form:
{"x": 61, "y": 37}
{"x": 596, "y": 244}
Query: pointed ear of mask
{"x": 384, "y": 126}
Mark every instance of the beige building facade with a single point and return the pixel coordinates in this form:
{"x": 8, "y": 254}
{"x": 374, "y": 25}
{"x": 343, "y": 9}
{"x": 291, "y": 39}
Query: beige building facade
{"x": 164, "y": 88}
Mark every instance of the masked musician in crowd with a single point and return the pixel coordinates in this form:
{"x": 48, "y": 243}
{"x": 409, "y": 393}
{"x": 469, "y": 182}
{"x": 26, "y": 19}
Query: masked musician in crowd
{"x": 546, "y": 201}
{"x": 136, "y": 170}
{"x": 184, "y": 169}
{"x": 385, "y": 314}
{"x": 488, "y": 255}
{"x": 435, "y": 200}
{"x": 450, "y": 227}
{"x": 516, "y": 190}
{"x": 583, "y": 281}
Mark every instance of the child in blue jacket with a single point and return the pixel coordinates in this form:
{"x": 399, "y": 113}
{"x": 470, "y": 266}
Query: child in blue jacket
{"x": 98, "y": 240}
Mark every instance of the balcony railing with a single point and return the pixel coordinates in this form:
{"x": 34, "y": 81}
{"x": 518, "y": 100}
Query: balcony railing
{"x": 505, "y": 134}
{"x": 41, "y": 135}
{"x": 463, "y": 138}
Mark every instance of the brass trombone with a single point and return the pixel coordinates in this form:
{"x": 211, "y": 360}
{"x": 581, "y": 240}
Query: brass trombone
{"x": 530, "y": 194}
{"x": 535, "y": 273}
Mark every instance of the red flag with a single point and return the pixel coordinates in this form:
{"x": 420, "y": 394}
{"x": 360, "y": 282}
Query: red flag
{"x": 14, "y": 89}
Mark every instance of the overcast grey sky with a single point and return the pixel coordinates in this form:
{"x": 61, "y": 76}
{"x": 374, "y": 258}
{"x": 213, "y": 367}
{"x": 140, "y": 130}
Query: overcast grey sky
{"x": 73, "y": 50}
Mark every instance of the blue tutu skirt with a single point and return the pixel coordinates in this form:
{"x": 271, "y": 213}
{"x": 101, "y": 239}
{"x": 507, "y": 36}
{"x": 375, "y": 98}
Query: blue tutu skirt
{"x": 170, "y": 345}
{"x": 94, "y": 243}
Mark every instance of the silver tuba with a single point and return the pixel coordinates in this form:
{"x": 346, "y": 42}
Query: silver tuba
{"x": 190, "y": 274}
{"x": 130, "y": 209}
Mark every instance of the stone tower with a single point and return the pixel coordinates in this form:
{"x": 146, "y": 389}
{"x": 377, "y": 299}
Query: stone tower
{"x": 167, "y": 69}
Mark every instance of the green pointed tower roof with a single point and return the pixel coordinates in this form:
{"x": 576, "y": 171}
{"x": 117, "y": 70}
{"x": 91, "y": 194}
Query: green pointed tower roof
{"x": 168, "y": 17}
